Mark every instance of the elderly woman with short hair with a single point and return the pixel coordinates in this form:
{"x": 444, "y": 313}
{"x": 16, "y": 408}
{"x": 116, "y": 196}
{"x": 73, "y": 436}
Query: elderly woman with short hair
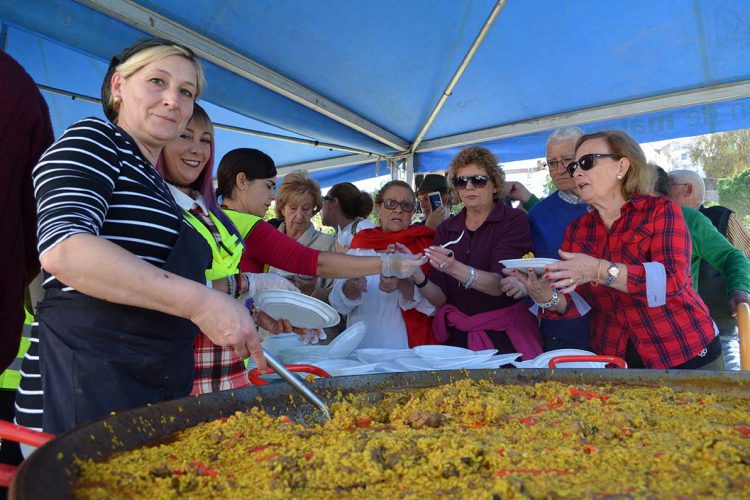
{"x": 629, "y": 258}
{"x": 396, "y": 314}
{"x": 299, "y": 199}
{"x": 465, "y": 280}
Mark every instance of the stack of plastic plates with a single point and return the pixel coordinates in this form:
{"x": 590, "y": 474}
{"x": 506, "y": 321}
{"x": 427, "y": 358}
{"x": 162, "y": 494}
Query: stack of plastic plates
{"x": 301, "y": 310}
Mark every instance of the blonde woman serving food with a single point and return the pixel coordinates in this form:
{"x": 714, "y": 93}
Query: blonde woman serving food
{"x": 125, "y": 289}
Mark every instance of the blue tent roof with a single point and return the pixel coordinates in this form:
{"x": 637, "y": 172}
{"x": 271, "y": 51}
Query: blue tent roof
{"x": 366, "y": 75}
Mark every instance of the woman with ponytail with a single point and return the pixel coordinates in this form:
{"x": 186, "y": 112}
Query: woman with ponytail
{"x": 346, "y": 209}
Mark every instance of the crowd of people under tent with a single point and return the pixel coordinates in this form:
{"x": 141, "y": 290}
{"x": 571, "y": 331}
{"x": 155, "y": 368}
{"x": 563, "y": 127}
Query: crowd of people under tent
{"x": 149, "y": 270}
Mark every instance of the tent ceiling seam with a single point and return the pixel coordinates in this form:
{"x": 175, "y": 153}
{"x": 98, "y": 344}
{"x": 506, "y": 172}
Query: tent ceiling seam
{"x": 665, "y": 102}
{"x": 157, "y": 25}
{"x": 231, "y": 128}
{"x": 488, "y": 23}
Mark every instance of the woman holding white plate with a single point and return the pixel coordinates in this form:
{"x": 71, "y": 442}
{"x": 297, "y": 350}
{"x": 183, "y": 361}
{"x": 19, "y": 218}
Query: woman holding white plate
{"x": 629, "y": 258}
{"x": 396, "y": 313}
{"x": 465, "y": 282}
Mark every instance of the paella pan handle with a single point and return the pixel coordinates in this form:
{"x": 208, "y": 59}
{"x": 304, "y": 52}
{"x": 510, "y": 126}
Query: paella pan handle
{"x": 13, "y": 432}
{"x": 612, "y": 361}
{"x": 255, "y": 374}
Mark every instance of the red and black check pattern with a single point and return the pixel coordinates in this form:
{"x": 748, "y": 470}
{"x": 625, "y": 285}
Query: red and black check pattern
{"x": 649, "y": 229}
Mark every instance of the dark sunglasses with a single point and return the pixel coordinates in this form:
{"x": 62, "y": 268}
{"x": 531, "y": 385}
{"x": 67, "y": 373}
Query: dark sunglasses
{"x": 406, "y": 206}
{"x": 328, "y": 197}
{"x": 586, "y": 162}
{"x": 478, "y": 181}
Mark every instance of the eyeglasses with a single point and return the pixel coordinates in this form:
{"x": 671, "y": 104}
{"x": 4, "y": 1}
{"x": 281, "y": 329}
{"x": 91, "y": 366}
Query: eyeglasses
{"x": 555, "y": 164}
{"x": 587, "y": 162}
{"x": 328, "y": 197}
{"x": 478, "y": 181}
{"x": 406, "y": 206}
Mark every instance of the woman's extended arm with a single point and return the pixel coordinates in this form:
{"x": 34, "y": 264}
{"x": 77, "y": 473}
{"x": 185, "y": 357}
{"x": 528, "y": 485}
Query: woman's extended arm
{"x": 102, "y": 269}
{"x": 484, "y": 281}
{"x": 267, "y": 245}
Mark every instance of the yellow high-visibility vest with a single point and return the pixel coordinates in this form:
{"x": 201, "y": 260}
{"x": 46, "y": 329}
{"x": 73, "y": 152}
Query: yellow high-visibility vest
{"x": 11, "y": 377}
{"x": 225, "y": 260}
{"x": 244, "y": 224}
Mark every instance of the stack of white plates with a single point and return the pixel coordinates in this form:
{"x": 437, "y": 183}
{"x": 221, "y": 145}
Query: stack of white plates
{"x": 347, "y": 341}
{"x": 305, "y": 352}
{"x": 274, "y": 344}
{"x": 440, "y": 357}
{"x": 344, "y": 367}
{"x": 339, "y": 348}
{"x": 542, "y": 361}
{"x": 301, "y": 310}
{"x": 379, "y": 355}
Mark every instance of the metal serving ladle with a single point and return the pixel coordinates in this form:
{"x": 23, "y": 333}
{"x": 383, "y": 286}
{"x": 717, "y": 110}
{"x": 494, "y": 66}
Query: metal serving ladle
{"x": 297, "y": 384}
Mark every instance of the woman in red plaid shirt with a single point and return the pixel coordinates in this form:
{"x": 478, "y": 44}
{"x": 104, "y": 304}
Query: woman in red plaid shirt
{"x": 629, "y": 258}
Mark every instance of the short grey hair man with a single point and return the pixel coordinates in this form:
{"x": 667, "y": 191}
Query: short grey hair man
{"x": 687, "y": 188}
{"x": 563, "y": 134}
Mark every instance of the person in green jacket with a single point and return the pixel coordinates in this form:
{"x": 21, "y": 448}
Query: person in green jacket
{"x": 711, "y": 246}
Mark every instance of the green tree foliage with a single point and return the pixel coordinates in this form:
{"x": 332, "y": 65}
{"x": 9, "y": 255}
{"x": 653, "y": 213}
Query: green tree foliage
{"x": 734, "y": 193}
{"x": 724, "y": 154}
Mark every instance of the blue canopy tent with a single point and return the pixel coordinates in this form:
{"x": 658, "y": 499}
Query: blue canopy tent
{"x": 357, "y": 86}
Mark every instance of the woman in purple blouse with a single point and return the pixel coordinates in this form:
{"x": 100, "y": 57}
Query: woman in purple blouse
{"x": 464, "y": 281}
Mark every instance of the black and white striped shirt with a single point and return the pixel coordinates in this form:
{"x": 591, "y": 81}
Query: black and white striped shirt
{"x": 95, "y": 180}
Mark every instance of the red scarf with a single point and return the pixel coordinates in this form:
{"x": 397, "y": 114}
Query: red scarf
{"x": 416, "y": 239}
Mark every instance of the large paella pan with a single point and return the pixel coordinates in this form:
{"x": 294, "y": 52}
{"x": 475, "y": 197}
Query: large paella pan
{"x": 52, "y": 471}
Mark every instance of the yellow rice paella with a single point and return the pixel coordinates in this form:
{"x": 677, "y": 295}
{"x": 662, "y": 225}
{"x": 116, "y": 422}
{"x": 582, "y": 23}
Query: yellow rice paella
{"x": 467, "y": 439}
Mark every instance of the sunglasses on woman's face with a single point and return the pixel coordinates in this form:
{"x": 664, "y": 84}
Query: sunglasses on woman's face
{"x": 406, "y": 206}
{"x": 478, "y": 181}
{"x": 586, "y": 162}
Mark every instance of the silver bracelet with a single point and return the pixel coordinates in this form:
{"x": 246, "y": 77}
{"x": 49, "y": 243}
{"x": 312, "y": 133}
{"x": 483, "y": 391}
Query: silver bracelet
{"x": 551, "y": 302}
{"x": 471, "y": 279}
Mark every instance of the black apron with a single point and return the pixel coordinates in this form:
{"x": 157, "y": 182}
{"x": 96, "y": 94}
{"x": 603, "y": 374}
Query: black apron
{"x": 97, "y": 357}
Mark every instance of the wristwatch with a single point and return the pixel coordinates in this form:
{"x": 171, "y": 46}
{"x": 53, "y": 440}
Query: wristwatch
{"x": 613, "y": 272}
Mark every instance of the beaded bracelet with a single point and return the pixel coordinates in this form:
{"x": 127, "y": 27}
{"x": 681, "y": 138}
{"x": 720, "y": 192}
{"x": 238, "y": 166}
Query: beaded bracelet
{"x": 551, "y": 302}
{"x": 243, "y": 285}
{"x": 231, "y": 285}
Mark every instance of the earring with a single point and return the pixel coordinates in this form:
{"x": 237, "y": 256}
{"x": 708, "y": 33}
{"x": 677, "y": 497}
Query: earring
{"x": 117, "y": 99}
{"x": 619, "y": 177}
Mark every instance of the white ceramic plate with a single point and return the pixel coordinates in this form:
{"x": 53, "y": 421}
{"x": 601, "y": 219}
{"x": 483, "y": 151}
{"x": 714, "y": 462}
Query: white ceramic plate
{"x": 301, "y": 310}
{"x": 348, "y": 340}
{"x": 378, "y": 355}
{"x": 442, "y": 351}
{"x": 537, "y": 264}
